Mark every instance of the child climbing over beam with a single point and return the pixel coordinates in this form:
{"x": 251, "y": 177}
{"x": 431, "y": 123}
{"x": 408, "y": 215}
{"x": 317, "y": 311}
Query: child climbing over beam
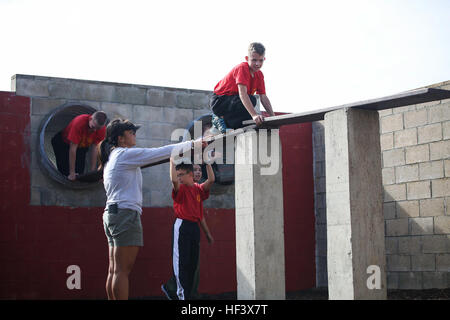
{"x": 233, "y": 100}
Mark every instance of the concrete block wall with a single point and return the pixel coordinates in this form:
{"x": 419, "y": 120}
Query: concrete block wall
{"x": 160, "y": 110}
{"x": 415, "y": 147}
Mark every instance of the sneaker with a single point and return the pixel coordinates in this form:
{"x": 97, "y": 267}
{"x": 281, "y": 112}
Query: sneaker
{"x": 163, "y": 289}
{"x": 219, "y": 123}
{"x": 213, "y": 131}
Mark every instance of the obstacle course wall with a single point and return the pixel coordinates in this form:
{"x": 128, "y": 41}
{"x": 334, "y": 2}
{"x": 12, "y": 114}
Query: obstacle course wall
{"x": 46, "y": 227}
{"x": 415, "y": 155}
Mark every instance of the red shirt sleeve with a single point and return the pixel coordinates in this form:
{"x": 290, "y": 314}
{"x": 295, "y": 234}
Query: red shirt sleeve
{"x": 204, "y": 194}
{"x": 242, "y": 75}
{"x": 261, "y": 88}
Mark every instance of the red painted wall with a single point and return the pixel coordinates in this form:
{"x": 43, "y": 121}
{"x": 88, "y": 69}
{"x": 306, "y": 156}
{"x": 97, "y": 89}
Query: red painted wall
{"x": 38, "y": 243}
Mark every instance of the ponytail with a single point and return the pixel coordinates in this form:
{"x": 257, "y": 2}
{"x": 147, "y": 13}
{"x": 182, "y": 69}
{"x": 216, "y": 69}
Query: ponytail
{"x": 104, "y": 151}
{"x": 113, "y": 130}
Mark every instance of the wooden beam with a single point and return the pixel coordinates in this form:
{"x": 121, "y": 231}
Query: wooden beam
{"x": 398, "y": 100}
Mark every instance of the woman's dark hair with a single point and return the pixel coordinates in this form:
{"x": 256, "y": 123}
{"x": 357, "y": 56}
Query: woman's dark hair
{"x": 114, "y": 129}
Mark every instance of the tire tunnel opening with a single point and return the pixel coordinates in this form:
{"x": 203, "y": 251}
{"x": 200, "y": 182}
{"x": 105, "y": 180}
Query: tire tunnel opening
{"x": 224, "y": 173}
{"x": 53, "y": 123}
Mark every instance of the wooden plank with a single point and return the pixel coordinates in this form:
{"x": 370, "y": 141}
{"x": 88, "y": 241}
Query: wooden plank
{"x": 229, "y": 134}
{"x": 398, "y": 100}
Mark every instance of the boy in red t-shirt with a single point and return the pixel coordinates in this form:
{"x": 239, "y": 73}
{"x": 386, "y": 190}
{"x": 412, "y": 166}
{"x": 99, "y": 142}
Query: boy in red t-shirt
{"x": 233, "y": 100}
{"x": 188, "y": 198}
{"x": 71, "y": 144}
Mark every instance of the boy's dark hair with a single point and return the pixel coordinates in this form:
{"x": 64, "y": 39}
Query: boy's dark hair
{"x": 189, "y": 167}
{"x": 256, "y": 47}
{"x": 100, "y": 117}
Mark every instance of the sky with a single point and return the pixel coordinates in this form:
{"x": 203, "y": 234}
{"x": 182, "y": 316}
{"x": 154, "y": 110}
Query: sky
{"x": 319, "y": 54}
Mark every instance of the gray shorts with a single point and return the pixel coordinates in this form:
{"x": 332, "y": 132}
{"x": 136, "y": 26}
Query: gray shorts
{"x": 123, "y": 228}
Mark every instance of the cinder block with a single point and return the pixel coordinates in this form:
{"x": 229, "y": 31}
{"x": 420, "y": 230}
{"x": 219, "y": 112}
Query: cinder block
{"x": 385, "y": 112}
{"x": 391, "y": 123}
{"x": 30, "y": 86}
{"x": 392, "y": 280}
{"x": 161, "y": 98}
{"x": 407, "y": 173}
{"x": 179, "y": 116}
{"x": 410, "y": 280}
{"x": 434, "y": 280}
{"x": 436, "y": 244}
{"x": 416, "y": 118}
{"x": 395, "y": 157}
{"x": 395, "y": 192}
{"x": 419, "y": 226}
{"x": 430, "y": 133}
{"x": 404, "y": 109}
{"x": 431, "y": 170}
{"x": 432, "y": 207}
{"x": 387, "y": 141}
{"x": 416, "y": 154}
{"x": 389, "y": 210}
{"x": 443, "y": 262}
{"x": 391, "y": 244}
{"x": 129, "y": 94}
{"x": 441, "y": 187}
{"x": 97, "y": 92}
{"x": 148, "y": 114}
{"x": 409, "y": 245}
{"x": 117, "y": 110}
{"x": 163, "y": 131}
{"x": 447, "y": 168}
{"x": 423, "y": 262}
{"x": 66, "y": 89}
{"x": 442, "y": 225}
{"x": 407, "y": 209}
{"x": 398, "y": 262}
{"x": 440, "y": 150}
{"x": 405, "y": 138}
{"x": 396, "y": 227}
{"x": 388, "y": 175}
{"x": 418, "y": 190}
{"x": 43, "y": 106}
{"x": 439, "y": 113}
{"x": 446, "y": 130}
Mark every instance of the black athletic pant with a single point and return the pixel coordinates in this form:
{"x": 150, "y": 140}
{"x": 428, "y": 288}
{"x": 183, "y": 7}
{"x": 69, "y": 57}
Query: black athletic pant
{"x": 61, "y": 150}
{"x": 185, "y": 255}
{"x": 231, "y": 109}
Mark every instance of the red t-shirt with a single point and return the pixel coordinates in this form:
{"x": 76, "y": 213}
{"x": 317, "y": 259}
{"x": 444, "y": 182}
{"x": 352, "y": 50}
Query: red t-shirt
{"x": 188, "y": 202}
{"x": 241, "y": 75}
{"x": 78, "y": 132}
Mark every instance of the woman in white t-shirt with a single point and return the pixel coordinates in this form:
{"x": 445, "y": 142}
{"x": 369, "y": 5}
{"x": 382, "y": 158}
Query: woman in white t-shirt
{"x": 122, "y": 179}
